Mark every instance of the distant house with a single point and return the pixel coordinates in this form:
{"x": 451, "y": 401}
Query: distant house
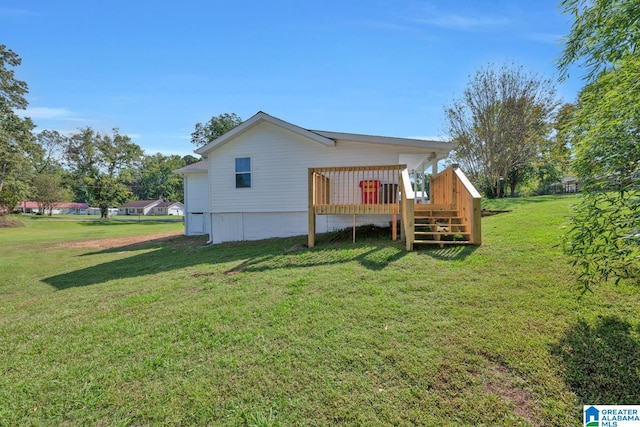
{"x": 168, "y": 208}
{"x": 138, "y": 207}
{"x": 73, "y": 208}
{"x": 152, "y": 207}
{"x": 96, "y": 211}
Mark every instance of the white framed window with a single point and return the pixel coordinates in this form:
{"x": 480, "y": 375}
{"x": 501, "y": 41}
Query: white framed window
{"x": 243, "y": 172}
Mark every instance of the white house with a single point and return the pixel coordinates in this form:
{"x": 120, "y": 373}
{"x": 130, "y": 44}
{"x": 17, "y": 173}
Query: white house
{"x": 168, "y": 208}
{"x": 253, "y": 181}
{"x": 139, "y": 207}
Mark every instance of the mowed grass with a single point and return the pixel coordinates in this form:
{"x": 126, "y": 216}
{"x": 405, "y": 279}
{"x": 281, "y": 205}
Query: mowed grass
{"x": 174, "y": 333}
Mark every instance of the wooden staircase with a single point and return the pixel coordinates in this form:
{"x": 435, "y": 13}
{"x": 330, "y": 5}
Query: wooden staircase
{"x": 440, "y": 225}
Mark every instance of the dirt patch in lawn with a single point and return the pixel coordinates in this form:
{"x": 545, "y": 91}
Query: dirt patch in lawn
{"x": 502, "y": 383}
{"x": 171, "y": 238}
{"x": 7, "y": 222}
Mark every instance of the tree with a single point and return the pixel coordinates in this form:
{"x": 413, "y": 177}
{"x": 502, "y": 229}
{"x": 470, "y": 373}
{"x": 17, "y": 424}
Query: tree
{"x": 97, "y": 161}
{"x": 604, "y": 239}
{"x": 48, "y": 191}
{"x": 155, "y": 178}
{"x": 499, "y": 124}
{"x": 214, "y": 128}
{"x": 52, "y": 148}
{"x": 16, "y": 141}
{"x": 189, "y": 159}
{"x": 603, "y": 33}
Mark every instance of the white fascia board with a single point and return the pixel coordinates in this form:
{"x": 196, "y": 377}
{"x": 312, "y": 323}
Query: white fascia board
{"x": 437, "y": 146}
{"x": 259, "y": 118}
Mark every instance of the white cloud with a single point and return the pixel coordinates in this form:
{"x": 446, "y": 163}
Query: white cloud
{"x": 14, "y": 12}
{"x": 181, "y": 153}
{"x": 48, "y": 113}
{"x": 459, "y": 22}
{"x": 545, "y": 37}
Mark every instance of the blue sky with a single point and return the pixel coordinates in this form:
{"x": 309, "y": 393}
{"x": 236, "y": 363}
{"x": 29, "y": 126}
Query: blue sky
{"x": 155, "y": 68}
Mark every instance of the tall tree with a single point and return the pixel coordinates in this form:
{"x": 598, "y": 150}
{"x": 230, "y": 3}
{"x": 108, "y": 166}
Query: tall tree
{"x": 154, "y": 179}
{"x": 214, "y": 128}
{"x": 16, "y": 141}
{"x": 499, "y": 123}
{"x": 604, "y": 239}
{"x": 51, "y": 154}
{"x": 97, "y": 161}
{"x": 603, "y": 32}
{"x": 48, "y": 191}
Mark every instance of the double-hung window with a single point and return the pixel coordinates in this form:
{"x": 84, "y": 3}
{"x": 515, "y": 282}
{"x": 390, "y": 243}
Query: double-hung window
{"x": 243, "y": 172}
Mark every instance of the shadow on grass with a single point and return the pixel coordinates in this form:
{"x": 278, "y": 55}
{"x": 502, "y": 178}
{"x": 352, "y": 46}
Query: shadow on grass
{"x": 174, "y": 253}
{"x": 448, "y": 253}
{"x": 602, "y": 362}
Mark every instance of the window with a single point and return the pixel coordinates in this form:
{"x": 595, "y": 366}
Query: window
{"x": 243, "y": 172}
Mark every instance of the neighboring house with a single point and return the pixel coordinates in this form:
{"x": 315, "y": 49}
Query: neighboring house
{"x": 97, "y": 211}
{"x": 570, "y": 184}
{"x": 138, "y": 207}
{"x": 168, "y": 208}
{"x": 152, "y": 207}
{"x": 73, "y": 208}
{"x": 255, "y": 181}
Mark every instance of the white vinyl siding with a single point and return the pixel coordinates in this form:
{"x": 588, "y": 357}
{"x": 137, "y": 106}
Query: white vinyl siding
{"x": 280, "y": 160}
{"x": 196, "y": 192}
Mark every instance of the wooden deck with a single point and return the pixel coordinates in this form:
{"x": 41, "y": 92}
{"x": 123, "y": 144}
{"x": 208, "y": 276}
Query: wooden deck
{"x": 454, "y": 211}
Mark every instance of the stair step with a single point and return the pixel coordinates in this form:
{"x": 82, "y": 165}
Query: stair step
{"x": 438, "y": 218}
{"x": 440, "y": 233}
{"x": 439, "y": 224}
{"x": 437, "y": 214}
{"x": 451, "y": 226}
{"x": 443, "y": 242}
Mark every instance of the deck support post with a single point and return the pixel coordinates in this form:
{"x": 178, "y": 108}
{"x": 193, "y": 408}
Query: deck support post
{"x": 354, "y": 228}
{"x": 312, "y": 215}
{"x": 394, "y": 225}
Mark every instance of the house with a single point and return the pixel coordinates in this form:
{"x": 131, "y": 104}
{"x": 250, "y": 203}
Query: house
{"x": 97, "y": 211}
{"x": 270, "y": 178}
{"x": 138, "y": 207}
{"x": 168, "y": 208}
{"x": 73, "y": 208}
{"x": 152, "y": 207}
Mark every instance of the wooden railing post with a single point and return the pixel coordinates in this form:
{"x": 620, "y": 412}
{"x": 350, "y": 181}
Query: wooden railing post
{"x": 408, "y": 207}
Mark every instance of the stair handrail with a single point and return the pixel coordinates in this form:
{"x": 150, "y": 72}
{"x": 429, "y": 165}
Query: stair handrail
{"x": 407, "y": 202}
{"x": 469, "y": 202}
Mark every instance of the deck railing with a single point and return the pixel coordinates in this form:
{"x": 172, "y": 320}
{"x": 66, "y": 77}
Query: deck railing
{"x": 452, "y": 188}
{"x": 407, "y": 206}
{"x": 355, "y": 189}
{"x": 388, "y": 190}
{"x": 352, "y": 190}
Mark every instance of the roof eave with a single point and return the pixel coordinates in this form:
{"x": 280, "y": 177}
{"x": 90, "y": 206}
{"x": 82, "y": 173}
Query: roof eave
{"x": 258, "y": 118}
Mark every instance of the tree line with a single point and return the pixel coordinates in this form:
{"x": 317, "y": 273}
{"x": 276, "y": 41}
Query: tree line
{"x": 100, "y": 169}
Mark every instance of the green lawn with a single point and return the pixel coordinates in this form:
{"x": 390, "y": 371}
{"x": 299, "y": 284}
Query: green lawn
{"x": 173, "y": 333}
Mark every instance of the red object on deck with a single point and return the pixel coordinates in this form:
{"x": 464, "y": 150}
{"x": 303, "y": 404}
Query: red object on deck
{"x": 370, "y": 189}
